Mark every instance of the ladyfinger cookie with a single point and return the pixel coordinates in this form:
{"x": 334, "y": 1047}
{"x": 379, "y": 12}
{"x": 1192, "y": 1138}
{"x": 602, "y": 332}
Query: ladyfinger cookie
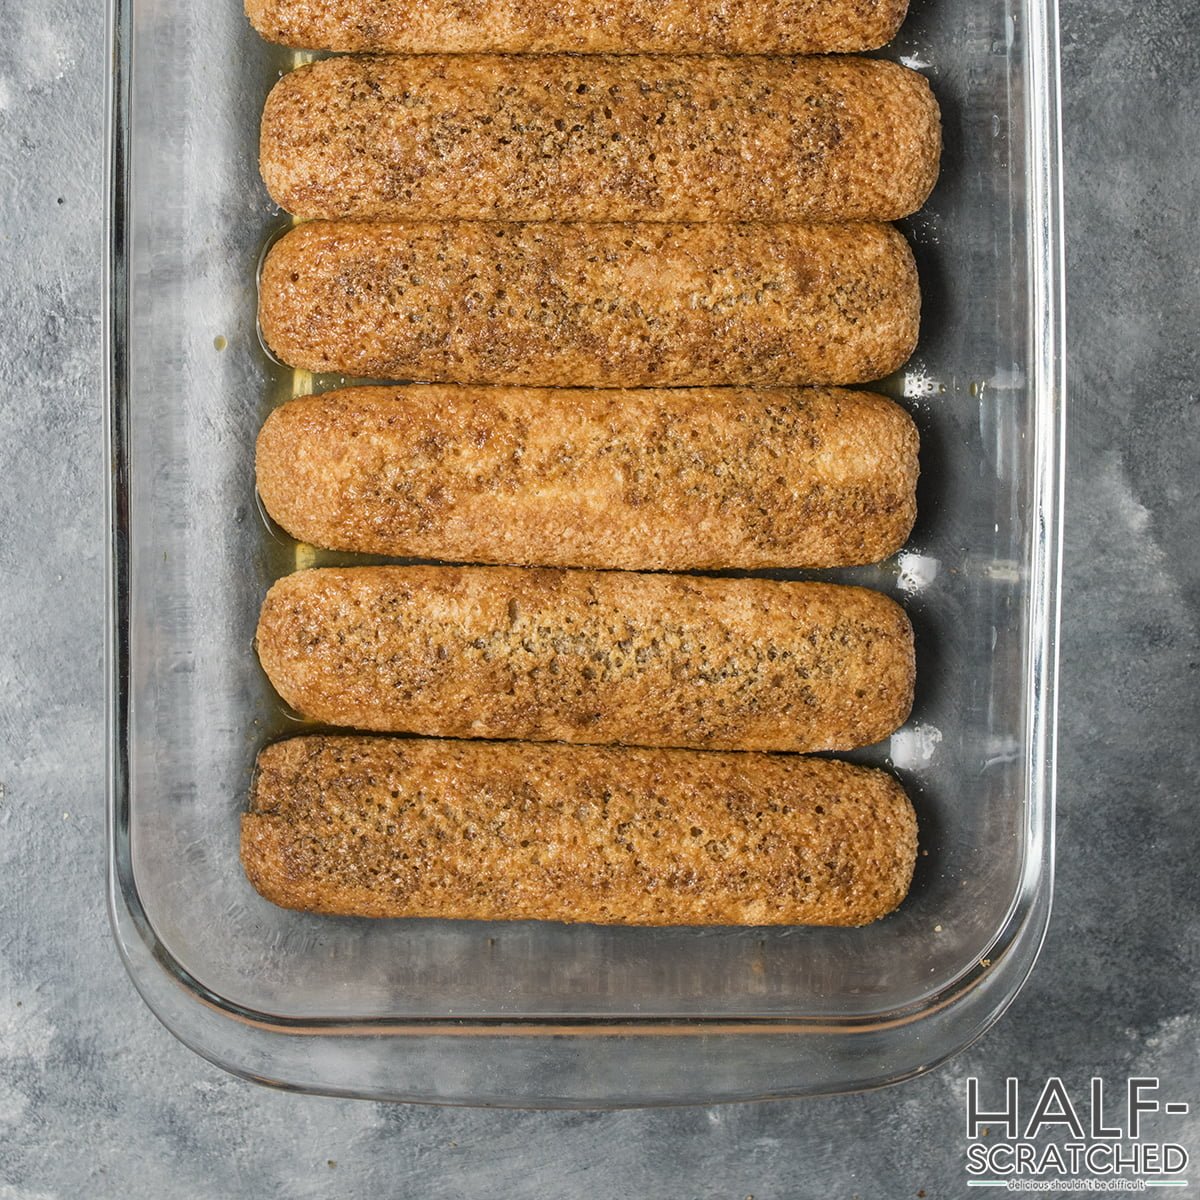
{"x": 606, "y": 305}
{"x": 589, "y": 656}
{"x": 563, "y": 138}
{"x": 581, "y": 26}
{"x": 665, "y": 479}
{"x": 381, "y": 827}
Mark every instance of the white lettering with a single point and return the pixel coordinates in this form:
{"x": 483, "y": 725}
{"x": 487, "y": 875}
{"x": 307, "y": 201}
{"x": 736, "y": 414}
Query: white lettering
{"x": 1175, "y": 1158}
{"x": 1054, "y": 1107}
{"x": 1007, "y": 1117}
{"x": 1099, "y": 1129}
{"x": 1137, "y": 1105}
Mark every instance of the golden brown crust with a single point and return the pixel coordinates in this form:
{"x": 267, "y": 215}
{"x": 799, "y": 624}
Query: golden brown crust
{"x": 590, "y": 656}
{"x": 380, "y": 827}
{"x": 581, "y": 26}
{"x": 669, "y": 479}
{"x": 558, "y": 137}
{"x": 607, "y": 305}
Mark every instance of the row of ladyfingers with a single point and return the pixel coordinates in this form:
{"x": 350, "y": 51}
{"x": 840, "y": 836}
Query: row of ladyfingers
{"x": 667, "y": 479}
{"x": 581, "y": 26}
{"x": 516, "y": 829}
{"x": 520, "y": 829}
{"x": 561, "y": 221}
{"x": 611, "y": 222}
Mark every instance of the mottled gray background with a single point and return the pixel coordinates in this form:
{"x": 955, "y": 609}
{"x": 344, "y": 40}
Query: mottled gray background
{"x": 96, "y": 1099}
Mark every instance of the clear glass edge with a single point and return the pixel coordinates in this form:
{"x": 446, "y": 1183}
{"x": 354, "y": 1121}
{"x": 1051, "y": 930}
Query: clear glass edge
{"x": 266, "y": 1048}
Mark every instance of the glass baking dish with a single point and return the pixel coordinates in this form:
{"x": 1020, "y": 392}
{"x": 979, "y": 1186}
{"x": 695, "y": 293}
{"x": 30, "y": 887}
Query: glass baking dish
{"x": 549, "y": 1015}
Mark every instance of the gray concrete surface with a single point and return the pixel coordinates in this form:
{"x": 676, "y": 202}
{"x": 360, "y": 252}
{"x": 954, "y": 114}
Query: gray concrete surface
{"x": 96, "y": 1099}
